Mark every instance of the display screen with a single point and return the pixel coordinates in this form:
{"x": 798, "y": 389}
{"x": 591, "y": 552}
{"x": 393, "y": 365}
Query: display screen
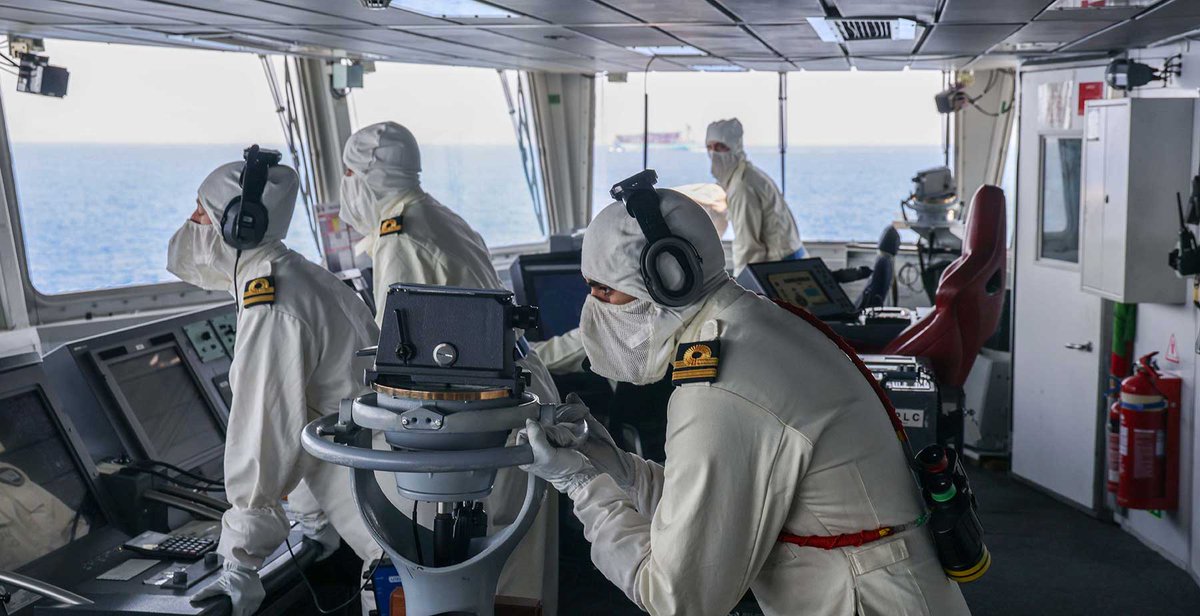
{"x": 44, "y": 498}
{"x": 559, "y": 296}
{"x": 799, "y": 288}
{"x": 168, "y": 403}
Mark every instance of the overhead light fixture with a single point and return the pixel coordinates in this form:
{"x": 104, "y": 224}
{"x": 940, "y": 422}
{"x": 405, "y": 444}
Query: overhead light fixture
{"x": 1029, "y": 46}
{"x": 843, "y": 29}
{"x": 449, "y": 9}
{"x": 1068, "y": 5}
{"x": 667, "y": 50}
{"x": 717, "y": 68}
{"x": 238, "y": 41}
{"x": 375, "y": 5}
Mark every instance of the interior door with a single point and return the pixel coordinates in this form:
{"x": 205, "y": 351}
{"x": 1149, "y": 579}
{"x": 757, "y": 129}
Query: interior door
{"x": 1059, "y": 344}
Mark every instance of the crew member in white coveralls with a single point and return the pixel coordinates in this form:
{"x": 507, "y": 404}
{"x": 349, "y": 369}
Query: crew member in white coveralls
{"x": 770, "y": 430}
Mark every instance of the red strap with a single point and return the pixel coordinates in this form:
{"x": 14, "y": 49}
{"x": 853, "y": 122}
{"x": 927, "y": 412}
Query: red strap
{"x": 837, "y": 541}
{"x": 866, "y": 536}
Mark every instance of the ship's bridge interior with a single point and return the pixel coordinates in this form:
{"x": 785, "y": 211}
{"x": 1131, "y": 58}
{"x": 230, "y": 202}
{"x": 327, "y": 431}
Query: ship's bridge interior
{"x": 989, "y": 206}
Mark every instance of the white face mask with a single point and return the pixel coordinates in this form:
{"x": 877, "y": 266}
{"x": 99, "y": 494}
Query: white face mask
{"x": 357, "y": 202}
{"x": 198, "y": 255}
{"x": 723, "y": 165}
{"x": 631, "y": 343}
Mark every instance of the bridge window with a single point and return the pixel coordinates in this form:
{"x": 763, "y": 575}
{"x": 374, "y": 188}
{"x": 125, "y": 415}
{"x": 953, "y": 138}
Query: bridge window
{"x": 854, "y": 139}
{"x": 106, "y": 175}
{"x": 470, "y": 158}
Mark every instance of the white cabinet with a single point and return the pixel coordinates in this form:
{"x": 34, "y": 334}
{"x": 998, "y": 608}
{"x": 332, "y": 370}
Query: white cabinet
{"x": 1136, "y": 155}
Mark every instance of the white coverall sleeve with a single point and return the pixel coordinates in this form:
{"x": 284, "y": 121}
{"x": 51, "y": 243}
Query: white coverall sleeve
{"x": 648, "y": 480}
{"x": 734, "y": 470}
{"x": 264, "y": 460}
{"x": 746, "y": 216}
{"x": 562, "y": 354}
{"x": 400, "y": 258}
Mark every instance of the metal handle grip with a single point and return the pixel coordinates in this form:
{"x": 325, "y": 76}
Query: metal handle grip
{"x": 408, "y": 461}
{"x": 1076, "y": 346}
{"x": 63, "y": 597}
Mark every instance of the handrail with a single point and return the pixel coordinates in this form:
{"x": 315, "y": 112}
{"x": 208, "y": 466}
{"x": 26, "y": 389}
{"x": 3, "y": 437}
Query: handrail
{"x": 45, "y": 589}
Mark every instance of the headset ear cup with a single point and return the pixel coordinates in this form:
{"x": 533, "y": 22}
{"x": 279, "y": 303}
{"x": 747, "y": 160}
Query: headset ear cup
{"x": 244, "y": 224}
{"x": 229, "y": 220}
{"x": 688, "y": 259}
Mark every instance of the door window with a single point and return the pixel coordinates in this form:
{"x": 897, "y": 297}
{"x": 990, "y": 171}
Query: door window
{"x": 1058, "y": 220}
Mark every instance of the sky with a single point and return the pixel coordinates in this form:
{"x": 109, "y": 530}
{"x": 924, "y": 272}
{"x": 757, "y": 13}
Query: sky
{"x": 131, "y": 94}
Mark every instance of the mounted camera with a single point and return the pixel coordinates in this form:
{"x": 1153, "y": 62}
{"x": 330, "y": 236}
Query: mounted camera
{"x": 1126, "y": 74}
{"x": 35, "y": 75}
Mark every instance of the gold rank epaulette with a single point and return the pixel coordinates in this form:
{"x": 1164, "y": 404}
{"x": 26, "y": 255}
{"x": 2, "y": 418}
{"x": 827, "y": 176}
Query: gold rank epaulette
{"x": 259, "y": 291}
{"x": 391, "y": 226}
{"x": 696, "y": 362}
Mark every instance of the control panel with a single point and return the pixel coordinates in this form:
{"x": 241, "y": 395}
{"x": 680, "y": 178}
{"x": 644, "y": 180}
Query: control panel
{"x": 154, "y": 391}
{"x": 911, "y": 387}
{"x": 204, "y": 341}
{"x": 213, "y": 338}
{"x": 226, "y": 327}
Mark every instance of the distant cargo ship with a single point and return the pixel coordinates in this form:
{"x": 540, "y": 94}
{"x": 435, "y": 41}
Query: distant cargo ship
{"x": 676, "y": 140}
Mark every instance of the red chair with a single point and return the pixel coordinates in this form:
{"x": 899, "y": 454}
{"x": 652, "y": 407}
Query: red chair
{"x": 969, "y": 299}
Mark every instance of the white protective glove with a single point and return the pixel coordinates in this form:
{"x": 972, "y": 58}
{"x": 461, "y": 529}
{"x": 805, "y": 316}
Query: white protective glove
{"x": 566, "y": 469}
{"x": 599, "y": 446}
{"x": 240, "y": 584}
{"x": 320, "y": 532}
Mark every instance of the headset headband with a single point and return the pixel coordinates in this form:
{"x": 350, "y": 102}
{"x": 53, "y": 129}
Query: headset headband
{"x": 642, "y": 202}
{"x": 244, "y": 221}
{"x": 255, "y": 172}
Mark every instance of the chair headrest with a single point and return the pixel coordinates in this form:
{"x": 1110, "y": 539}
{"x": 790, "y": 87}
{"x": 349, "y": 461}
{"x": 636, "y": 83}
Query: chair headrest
{"x": 986, "y": 223}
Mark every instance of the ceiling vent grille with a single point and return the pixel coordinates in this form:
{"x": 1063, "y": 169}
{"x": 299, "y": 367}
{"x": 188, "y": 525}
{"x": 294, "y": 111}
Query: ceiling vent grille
{"x": 841, "y": 30}
{"x": 864, "y": 29}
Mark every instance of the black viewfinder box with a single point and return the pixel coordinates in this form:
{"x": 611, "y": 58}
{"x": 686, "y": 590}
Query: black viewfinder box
{"x": 441, "y": 335}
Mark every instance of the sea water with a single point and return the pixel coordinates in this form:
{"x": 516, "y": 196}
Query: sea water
{"x": 100, "y": 215}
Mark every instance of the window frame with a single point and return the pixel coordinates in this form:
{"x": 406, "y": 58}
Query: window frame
{"x": 536, "y": 151}
{"x": 43, "y": 308}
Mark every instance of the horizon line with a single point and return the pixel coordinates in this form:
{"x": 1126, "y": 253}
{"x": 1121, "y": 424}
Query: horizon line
{"x": 444, "y": 143}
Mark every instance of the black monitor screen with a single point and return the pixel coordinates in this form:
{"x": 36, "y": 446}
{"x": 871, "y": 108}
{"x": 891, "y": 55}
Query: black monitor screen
{"x": 45, "y": 502}
{"x": 168, "y": 404}
{"x": 560, "y": 295}
{"x": 807, "y": 283}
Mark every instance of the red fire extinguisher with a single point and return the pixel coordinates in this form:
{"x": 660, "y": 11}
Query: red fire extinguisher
{"x": 1143, "y": 437}
{"x": 1113, "y": 460}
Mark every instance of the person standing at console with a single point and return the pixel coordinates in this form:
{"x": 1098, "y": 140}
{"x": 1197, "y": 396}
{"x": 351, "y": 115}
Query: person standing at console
{"x": 411, "y": 238}
{"x": 298, "y": 328}
{"x": 763, "y": 226}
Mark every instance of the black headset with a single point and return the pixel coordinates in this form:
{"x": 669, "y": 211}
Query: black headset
{"x": 244, "y": 221}
{"x": 643, "y": 204}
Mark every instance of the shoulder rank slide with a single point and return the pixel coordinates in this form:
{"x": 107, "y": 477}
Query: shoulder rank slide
{"x": 259, "y": 291}
{"x": 696, "y": 362}
{"x": 391, "y": 226}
